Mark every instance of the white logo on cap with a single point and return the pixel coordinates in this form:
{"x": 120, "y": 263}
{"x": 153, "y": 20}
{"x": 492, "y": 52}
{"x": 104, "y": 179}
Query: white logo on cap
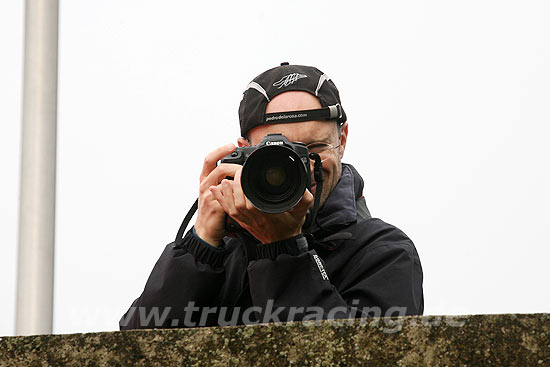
{"x": 288, "y": 80}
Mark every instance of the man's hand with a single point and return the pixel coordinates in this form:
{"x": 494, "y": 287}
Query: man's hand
{"x": 266, "y": 227}
{"x": 210, "y": 224}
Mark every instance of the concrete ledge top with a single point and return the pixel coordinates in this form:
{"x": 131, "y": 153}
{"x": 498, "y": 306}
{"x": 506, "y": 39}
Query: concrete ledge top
{"x": 480, "y": 340}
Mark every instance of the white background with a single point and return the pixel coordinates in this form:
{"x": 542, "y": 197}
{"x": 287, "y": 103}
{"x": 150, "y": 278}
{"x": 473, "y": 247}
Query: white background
{"x": 448, "y": 110}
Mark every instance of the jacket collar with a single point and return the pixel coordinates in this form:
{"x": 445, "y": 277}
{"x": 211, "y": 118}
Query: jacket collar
{"x": 340, "y": 207}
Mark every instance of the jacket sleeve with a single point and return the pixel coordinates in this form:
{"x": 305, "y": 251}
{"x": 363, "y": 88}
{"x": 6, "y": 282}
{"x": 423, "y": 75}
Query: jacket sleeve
{"x": 186, "y": 276}
{"x": 378, "y": 280}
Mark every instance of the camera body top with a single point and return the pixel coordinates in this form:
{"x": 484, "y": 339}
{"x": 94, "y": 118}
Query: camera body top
{"x": 240, "y": 154}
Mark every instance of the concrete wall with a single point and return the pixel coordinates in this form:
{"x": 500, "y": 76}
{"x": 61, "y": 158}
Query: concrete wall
{"x": 483, "y": 340}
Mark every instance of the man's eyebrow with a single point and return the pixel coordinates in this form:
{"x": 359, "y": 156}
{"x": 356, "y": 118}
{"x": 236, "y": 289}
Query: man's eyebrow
{"x": 318, "y": 141}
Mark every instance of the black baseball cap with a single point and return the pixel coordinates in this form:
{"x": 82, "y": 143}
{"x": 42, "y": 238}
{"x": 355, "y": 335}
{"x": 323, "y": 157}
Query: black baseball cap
{"x": 286, "y": 78}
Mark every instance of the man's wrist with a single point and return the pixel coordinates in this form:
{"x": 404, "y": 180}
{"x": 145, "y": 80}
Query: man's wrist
{"x": 205, "y": 239}
{"x": 268, "y": 241}
{"x": 295, "y": 245}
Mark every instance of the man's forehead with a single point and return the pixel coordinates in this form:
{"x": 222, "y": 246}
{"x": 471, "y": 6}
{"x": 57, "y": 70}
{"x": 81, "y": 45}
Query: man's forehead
{"x": 305, "y": 132}
{"x": 293, "y": 101}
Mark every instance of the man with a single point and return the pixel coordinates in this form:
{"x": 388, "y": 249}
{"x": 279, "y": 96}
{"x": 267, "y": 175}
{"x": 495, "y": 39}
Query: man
{"x": 349, "y": 265}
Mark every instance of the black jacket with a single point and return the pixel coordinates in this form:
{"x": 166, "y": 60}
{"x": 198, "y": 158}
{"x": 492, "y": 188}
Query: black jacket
{"x": 353, "y": 266}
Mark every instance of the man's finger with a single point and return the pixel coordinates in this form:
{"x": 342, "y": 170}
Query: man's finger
{"x": 308, "y": 196}
{"x": 229, "y": 203}
{"x": 217, "y": 194}
{"x": 242, "y": 203}
{"x": 305, "y": 202}
{"x": 238, "y": 194}
{"x": 212, "y": 159}
{"x": 219, "y": 173}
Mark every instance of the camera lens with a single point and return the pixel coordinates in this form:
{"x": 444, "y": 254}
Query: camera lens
{"x": 274, "y": 178}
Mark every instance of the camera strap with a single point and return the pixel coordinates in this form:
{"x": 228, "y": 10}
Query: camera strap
{"x": 186, "y": 220}
{"x": 318, "y": 176}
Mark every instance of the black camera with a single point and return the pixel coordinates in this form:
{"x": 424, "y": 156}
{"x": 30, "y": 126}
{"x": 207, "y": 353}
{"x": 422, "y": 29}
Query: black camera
{"x": 275, "y": 172}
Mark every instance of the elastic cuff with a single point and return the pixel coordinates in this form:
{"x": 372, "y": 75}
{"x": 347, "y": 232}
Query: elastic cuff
{"x": 292, "y": 246}
{"x": 200, "y": 239}
{"x": 202, "y": 250}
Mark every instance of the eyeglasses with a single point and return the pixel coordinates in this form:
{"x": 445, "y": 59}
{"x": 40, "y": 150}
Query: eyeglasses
{"x": 323, "y": 149}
